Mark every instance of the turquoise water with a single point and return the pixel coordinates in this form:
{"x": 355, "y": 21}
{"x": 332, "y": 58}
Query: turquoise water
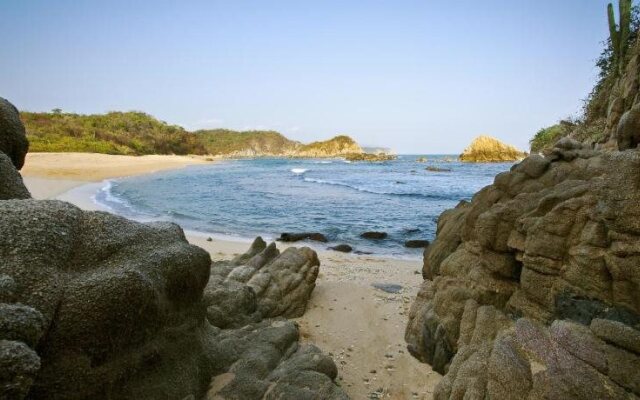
{"x": 245, "y": 198}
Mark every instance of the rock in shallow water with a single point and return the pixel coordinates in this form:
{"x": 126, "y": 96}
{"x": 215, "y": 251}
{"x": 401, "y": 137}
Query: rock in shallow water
{"x": 374, "y": 235}
{"x": 295, "y": 237}
{"x": 343, "y": 248}
{"x": 552, "y": 240}
{"x": 416, "y": 244}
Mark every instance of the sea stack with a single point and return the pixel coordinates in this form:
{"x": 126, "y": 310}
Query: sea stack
{"x": 489, "y": 149}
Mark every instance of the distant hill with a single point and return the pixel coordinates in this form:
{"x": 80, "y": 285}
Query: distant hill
{"x": 137, "y": 133}
{"x": 245, "y": 144}
{"x": 111, "y": 133}
{"x": 488, "y": 149}
{"x": 337, "y": 146}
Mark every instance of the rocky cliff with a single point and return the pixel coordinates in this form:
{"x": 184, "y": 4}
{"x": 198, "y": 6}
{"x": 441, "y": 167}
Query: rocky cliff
{"x": 94, "y": 306}
{"x": 532, "y": 288}
{"x": 488, "y": 149}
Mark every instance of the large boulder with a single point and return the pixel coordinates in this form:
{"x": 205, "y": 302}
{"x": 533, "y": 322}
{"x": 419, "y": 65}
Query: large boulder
{"x": 531, "y": 289}
{"x": 13, "y": 140}
{"x": 263, "y": 283}
{"x": 96, "y": 306}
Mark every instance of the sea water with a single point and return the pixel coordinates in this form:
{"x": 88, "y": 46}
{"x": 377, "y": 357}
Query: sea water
{"x": 250, "y": 197}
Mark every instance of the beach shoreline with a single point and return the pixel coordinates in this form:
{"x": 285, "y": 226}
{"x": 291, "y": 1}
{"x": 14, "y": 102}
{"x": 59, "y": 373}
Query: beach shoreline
{"x": 344, "y": 299}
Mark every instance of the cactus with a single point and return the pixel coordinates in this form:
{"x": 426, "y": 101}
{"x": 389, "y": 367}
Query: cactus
{"x": 619, "y": 34}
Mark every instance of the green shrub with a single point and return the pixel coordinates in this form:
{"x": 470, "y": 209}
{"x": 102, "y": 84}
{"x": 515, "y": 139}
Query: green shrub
{"x": 545, "y": 138}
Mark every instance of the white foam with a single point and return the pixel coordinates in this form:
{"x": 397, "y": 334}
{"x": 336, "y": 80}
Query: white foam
{"x": 299, "y": 171}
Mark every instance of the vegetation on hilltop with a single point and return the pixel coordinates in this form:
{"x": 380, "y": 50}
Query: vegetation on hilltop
{"x": 339, "y": 145}
{"x": 134, "y": 133}
{"x": 225, "y": 141}
{"x": 546, "y": 137}
{"x": 137, "y": 133}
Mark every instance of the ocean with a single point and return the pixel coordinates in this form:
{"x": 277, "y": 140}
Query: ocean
{"x": 241, "y": 199}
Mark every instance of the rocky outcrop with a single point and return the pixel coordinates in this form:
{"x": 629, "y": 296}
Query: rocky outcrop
{"x": 263, "y": 283}
{"x": 13, "y": 140}
{"x": 488, "y": 149}
{"x": 531, "y": 289}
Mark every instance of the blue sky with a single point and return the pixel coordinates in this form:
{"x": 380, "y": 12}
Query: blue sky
{"x": 418, "y": 76}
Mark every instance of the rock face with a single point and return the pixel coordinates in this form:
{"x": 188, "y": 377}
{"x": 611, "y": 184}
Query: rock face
{"x": 13, "y": 141}
{"x": 531, "y": 289}
{"x": 488, "y": 149}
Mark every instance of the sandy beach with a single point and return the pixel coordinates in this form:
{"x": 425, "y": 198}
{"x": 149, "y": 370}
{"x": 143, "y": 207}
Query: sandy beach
{"x": 372, "y": 364}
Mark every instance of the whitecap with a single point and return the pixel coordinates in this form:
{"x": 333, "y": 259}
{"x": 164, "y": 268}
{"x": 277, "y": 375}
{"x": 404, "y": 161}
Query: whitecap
{"x": 299, "y": 171}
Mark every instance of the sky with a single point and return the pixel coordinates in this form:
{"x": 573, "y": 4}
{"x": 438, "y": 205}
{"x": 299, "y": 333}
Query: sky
{"x": 416, "y": 76}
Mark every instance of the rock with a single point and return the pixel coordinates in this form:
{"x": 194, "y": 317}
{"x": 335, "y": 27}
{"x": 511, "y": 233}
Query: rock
{"x": 21, "y": 323}
{"x": 19, "y": 367}
{"x": 617, "y": 333}
{"x": 102, "y": 307}
{"x": 488, "y": 149}
{"x": 262, "y": 283}
{"x": 628, "y": 130}
{"x": 528, "y": 289}
{"x": 388, "y": 287}
{"x": 533, "y": 166}
{"x": 421, "y": 159}
{"x": 209, "y": 239}
{"x": 12, "y": 185}
{"x": 264, "y": 361}
{"x": 344, "y": 248}
{"x": 374, "y": 235}
{"x": 437, "y": 169}
{"x": 13, "y": 140}
{"x": 294, "y": 237}
{"x": 416, "y": 244}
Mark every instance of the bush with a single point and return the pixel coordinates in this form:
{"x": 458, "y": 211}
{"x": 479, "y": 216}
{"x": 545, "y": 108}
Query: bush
{"x": 545, "y": 138}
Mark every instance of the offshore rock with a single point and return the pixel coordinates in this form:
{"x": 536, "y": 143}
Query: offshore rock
{"x": 531, "y": 289}
{"x": 488, "y": 149}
